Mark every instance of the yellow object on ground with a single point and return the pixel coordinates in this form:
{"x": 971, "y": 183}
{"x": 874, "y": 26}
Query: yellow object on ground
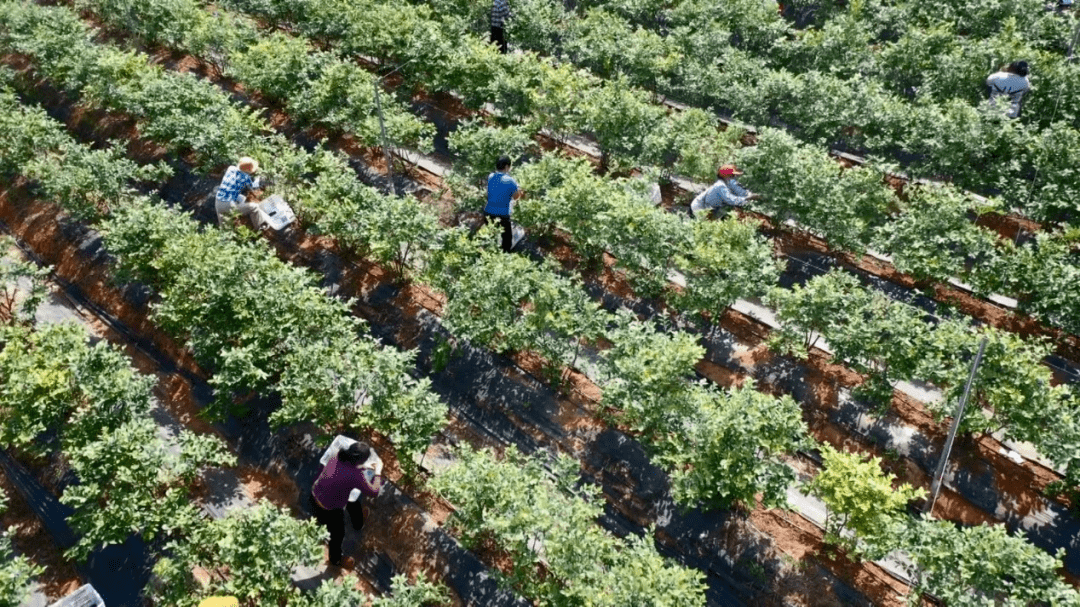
{"x": 220, "y": 601}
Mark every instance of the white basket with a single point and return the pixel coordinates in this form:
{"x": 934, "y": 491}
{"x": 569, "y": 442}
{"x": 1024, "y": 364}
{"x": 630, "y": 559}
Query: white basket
{"x": 85, "y": 596}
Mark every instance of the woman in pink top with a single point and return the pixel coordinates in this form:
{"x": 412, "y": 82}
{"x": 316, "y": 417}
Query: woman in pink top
{"x": 351, "y": 469}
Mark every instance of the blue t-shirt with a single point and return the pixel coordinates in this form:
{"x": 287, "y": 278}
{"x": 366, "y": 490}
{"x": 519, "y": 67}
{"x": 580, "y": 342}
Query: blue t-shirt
{"x": 500, "y": 190}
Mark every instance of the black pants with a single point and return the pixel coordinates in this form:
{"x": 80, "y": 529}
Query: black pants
{"x": 334, "y": 521}
{"x": 498, "y": 36}
{"x": 507, "y": 231}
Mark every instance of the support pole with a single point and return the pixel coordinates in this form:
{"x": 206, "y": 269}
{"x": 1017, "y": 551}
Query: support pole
{"x": 385, "y": 140}
{"x": 935, "y": 486}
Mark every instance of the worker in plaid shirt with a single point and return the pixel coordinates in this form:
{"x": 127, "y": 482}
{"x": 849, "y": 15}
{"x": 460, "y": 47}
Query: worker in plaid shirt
{"x": 230, "y": 194}
{"x": 500, "y": 12}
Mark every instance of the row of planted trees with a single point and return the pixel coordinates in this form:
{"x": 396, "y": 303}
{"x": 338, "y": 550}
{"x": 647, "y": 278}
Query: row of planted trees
{"x": 65, "y": 400}
{"x": 559, "y": 313}
{"x": 889, "y": 341}
{"x": 854, "y": 209}
{"x": 162, "y": 248}
{"x": 846, "y": 81}
{"x": 167, "y": 251}
{"x": 928, "y": 230}
{"x": 252, "y": 552}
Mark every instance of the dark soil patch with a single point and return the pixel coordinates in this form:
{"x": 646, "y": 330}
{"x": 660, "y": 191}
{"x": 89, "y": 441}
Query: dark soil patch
{"x": 30, "y": 538}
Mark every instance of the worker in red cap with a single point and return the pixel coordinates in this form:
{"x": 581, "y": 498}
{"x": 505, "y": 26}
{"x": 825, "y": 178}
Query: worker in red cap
{"x": 725, "y": 192}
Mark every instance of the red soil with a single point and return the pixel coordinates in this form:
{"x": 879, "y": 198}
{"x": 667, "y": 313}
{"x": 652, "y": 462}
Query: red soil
{"x": 30, "y": 539}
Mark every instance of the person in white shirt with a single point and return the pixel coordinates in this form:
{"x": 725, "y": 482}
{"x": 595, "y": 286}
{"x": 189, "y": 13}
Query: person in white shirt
{"x": 1011, "y": 82}
{"x": 725, "y": 192}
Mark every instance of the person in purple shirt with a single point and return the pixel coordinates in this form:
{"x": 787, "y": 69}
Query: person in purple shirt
{"x": 351, "y": 469}
{"x": 501, "y": 189}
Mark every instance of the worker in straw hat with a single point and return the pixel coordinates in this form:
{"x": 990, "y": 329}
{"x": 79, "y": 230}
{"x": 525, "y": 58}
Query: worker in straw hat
{"x": 725, "y": 192}
{"x": 231, "y": 196}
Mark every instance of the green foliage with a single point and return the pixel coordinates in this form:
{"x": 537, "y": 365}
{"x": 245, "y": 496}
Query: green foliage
{"x": 611, "y": 48}
{"x": 862, "y": 503}
{"x": 85, "y": 182}
{"x": 729, "y": 449}
{"x": 22, "y": 286}
{"x": 342, "y": 96}
{"x": 16, "y": 574}
{"x": 536, "y": 24}
{"x": 398, "y": 231}
{"x": 479, "y": 145}
{"x": 249, "y": 554}
{"x": 57, "y": 390}
{"x": 643, "y": 239}
{"x": 393, "y": 230}
{"x": 164, "y": 22}
{"x": 89, "y": 183}
{"x": 24, "y": 132}
{"x": 561, "y": 195}
{"x": 51, "y": 379}
{"x": 933, "y": 238}
{"x": 691, "y": 145}
{"x": 16, "y": 571}
{"x": 807, "y": 311}
{"x": 982, "y": 566}
{"x": 848, "y": 207}
{"x": 277, "y": 66}
{"x": 172, "y": 109}
{"x": 262, "y": 325}
{"x": 602, "y": 216}
{"x": 721, "y": 448}
{"x": 1011, "y": 381}
{"x": 540, "y": 517}
{"x": 420, "y": 593}
{"x": 322, "y": 89}
{"x": 890, "y": 341}
{"x": 727, "y": 260}
{"x": 647, "y": 371}
{"x": 864, "y": 328}
{"x": 1045, "y": 276}
{"x": 804, "y": 184}
{"x": 331, "y": 593}
{"x": 868, "y": 76}
{"x": 507, "y": 302}
{"x": 131, "y": 482}
{"x": 622, "y": 120}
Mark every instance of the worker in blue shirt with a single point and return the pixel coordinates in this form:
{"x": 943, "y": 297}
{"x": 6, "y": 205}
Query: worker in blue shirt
{"x": 501, "y": 190}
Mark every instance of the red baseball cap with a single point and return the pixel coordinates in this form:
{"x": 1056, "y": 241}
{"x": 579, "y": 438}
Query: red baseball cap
{"x": 728, "y": 170}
